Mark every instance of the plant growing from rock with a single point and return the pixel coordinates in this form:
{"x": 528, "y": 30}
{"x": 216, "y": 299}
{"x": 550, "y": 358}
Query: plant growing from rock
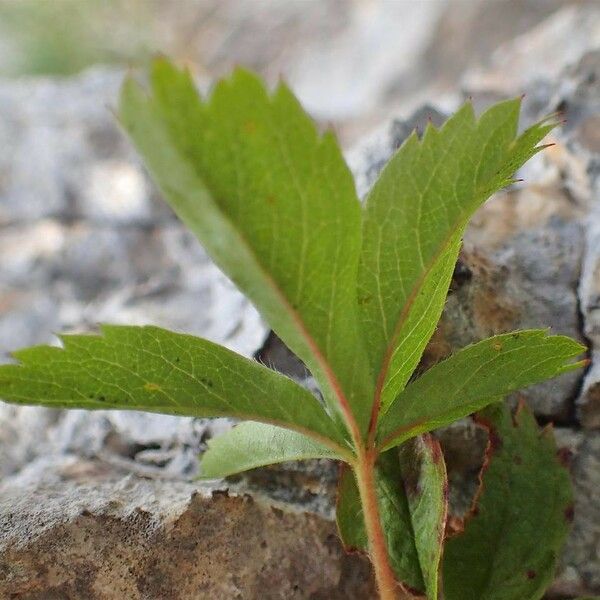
{"x": 356, "y": 292}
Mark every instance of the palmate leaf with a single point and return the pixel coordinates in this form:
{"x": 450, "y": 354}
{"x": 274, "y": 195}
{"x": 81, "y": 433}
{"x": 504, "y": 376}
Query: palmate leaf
{"x": 274, "y": 205}
{"x": 412, "y": 494}
{"x": 250, "y": 445}
{"x": 475, "y": 377}
{"x": 510, "y": 544}
{"x": 152, "y": 369}
{"x": 413, "y": 220}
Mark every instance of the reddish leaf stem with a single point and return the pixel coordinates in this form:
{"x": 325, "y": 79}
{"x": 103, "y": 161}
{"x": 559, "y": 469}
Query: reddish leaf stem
{"x": 365, "y": 477}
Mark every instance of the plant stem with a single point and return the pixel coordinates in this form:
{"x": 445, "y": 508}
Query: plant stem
{"x": 365, "y": 478}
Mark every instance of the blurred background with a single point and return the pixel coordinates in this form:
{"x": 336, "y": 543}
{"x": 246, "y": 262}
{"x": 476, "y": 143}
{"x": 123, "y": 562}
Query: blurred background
{"x": 85, "y": 237}
{"x": 348, "y": 60}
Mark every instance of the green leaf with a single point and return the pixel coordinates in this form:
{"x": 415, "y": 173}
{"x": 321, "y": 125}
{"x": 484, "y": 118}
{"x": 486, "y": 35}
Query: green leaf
{"x": 412, "y": 495}
{"x": 414, "y": 218}
{"x": 152, "y": 369}
{"x": 509, "y": 547}
{"x": 475, "y": 377}
{"x": 250, "y": 445}
{"x": 274, "y": 205}
{"x": 349, "y": 513}
{"x": 426, "y": 485}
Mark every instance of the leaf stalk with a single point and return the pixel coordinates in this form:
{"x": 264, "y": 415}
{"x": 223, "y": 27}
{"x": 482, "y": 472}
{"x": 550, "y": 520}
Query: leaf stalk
{"x": 364, "y": 471}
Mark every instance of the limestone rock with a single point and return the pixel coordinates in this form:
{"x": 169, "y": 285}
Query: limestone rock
{"x": 161, "y": 539}
{"x": 579, "y": 573}
{"x": 589, "y": 399}
{"x": 540, "y": 53}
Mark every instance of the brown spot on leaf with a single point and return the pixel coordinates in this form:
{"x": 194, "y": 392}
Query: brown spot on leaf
{"x": 436, "y": 451}
{"x": 494, "y": 443}
{"x": 531, "y": 574}
{"x": 152, "y": 387}
{"x": 454, "y": 526}
{"x": 495, "y": 440}
{"x": 249, "y": 127}
{"x": 569, "y": 513}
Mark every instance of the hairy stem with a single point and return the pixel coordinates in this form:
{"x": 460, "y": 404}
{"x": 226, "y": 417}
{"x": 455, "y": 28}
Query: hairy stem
{"x": 365, "y": 477}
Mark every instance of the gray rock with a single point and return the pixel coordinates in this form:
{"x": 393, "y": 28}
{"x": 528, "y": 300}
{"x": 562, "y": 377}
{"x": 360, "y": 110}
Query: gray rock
{"x": 580, "y": 567}
{"x": 148, "y": 540}
{"x": 540, "y": 53}
{"x": 48, "y": 125}
{"x": 589, "y": 400}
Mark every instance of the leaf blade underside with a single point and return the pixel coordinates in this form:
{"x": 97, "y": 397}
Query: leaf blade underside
{"x": 274, "y": 205}
{"x": 152, "y": 369}
{"x": 413, "y": 220}
{"x": 250, "y": 445}
{"x": 475, "y": 376}
{"x": 509, "y": 547}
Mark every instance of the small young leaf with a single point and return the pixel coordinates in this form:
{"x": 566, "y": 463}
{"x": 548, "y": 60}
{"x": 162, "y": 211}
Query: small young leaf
{"x": 250, "y": 445}
{"x": 395, "y": 517}
{"x": 152, "y": 369}
{"x": 423, "y": 473}
{"x": 413, "y": 221}
{"x": 510, "y": 544}
{"x": 412, "y": 495}
{"x": 274, "y": 205}
{"x": 475, "y": 377}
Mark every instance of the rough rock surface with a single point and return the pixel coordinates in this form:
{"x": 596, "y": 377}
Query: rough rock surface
{"x": 151, "y": 540}
{"x": 108, "y": 495}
